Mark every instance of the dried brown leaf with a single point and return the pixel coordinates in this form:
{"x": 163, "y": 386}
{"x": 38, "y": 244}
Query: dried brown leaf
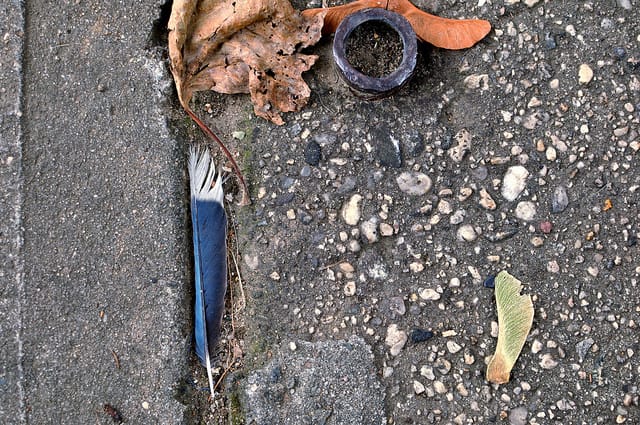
{"x": 250, "y": 46}
{"x": 441, "y": 32}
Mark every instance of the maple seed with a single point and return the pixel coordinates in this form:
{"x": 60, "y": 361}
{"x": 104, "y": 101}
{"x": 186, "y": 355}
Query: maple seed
{"x": 515, "y": 317}
{"x": 445, "y": 33}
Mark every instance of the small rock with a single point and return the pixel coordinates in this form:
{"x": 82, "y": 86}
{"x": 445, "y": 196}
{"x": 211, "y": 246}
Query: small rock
{"x": 463, "y": 145}
{"x": 369, "y": 230}
{"x": 351, "y": 210}
{"x": 427, "y": 372}
{"x": 514, "y": 182}
{"x": 560, "y": 200}
{"x": 518, "y": 416}
{"x": 312, "y": 153}
{"x": 418, "y": 388}
{"x": 477, "y": 81}
{"x": 444, "y": 207}
{"x": 537, "y": 241}
{"x": 416, "y": 267}
{"x": 386, "y": 229}
{"x": 531, "y": 3}
{"x": 413, "y": 183}
{"x": 462, "y": 390}
{"x": 582, "y": 348}
{"x": 420, "y": 335}
{"x": 526, "y": 210}
{"x": 546, "y": 227}
{"x": 551, "y": 153}
{"x": 467, "y": 233}
{"x": 489, "y": 282}
{"x": 453, "y": 347}
{"x": 439, "y": 387}
{"x": 625, "y": 4}
{"x": 387, "y": 149}
{"x": 553, "y": 267}
{"x": 486, "y": 201}
{"x": 395, "y": 340}
{"x": 429, "y": 294}
{"x": 396, "y": 304}
{"x": 350, "y": 289}
{"x": 585, "y": 74}
{"x": 548, "y": 362}
{"x": 457, "y": 217}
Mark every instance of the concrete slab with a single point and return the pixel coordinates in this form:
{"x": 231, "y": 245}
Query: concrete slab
{"x": 104, "y": 214}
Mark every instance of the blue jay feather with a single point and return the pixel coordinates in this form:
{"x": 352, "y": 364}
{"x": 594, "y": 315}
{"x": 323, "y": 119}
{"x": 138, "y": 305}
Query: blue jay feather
{"x": 210, "y": 253}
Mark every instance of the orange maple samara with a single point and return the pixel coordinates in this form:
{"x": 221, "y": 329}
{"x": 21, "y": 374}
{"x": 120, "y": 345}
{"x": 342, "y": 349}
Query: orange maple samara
{"x": 445, "y": 33}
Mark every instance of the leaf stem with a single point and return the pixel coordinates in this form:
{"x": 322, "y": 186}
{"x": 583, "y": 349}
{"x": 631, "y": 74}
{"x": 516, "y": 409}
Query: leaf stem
{"x": 246, "y": 200}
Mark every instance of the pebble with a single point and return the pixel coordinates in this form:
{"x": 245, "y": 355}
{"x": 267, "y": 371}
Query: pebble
{"x": 396, "y": 304}
{"x": 514, "y": 182}
{"x": 444, "y": 207}
{"x": 427, "y": 372}
{"x": 583, "y": 347}
{"x": 585, "y": 74}
{"x": 462, "y": 390}
{"x": 625, "y": 4}
{"x": 553, "y": 267}
{"x": 413, "y": 183}
{"x": 457, "y": 217}
{"x": 526, "y": 210}
{"x": 418, "y": 387}
{"x": 463, "y": 145}
{"x": 551, "y": 153}
{"x": 395, "y": 340}
{"x": 486, "y": 201}
{"x": 467, "y": 233}
{"x": 518, "y": 416}
{"x": 489, "y": 282}
{"x": 351, "y": 210}
{"x": 350, "y": 289}
{"x": 477, "y": 81}
{"x": 537, "y": 241}
{"x": 369, "y": 230}
{"x": 548, "y": 362}
{"x": 546, "y": 227}
{"x": 420, "y": 335}
{"x": 531, "y": 3}
{"x": 453, "y": 347}
{"x": 387, "y": 149}
{"x": 312, "y": 153}
{"x": 560, "y": 199}
{"x": 429, "y": 294}
{"x": 439, "y": 387}
{"x": 386, "y": 229}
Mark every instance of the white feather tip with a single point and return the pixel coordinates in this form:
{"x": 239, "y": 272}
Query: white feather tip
{"x": 202, "y": 173}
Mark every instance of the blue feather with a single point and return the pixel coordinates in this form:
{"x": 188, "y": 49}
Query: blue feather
{"x": 210, "y": 253}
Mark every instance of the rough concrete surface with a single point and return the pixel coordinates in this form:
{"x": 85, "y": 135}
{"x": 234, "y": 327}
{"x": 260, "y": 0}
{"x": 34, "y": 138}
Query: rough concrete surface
{"x": 98, "y": 317}
{"x": 375, "y": 226}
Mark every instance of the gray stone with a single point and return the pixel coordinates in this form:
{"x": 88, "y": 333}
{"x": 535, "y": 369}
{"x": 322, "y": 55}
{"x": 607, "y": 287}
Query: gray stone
{"x": 560, "y": 200}
{"x": 413, "y": 183}
{"x": 326, "y": 382}
{"x": 518, "y": 416}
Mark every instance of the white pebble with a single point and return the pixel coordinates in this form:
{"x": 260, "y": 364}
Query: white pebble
{"x": 526, "y": 210}
{"x": 351, "y": 210}
{"x": 514, "y": 182}
{"x": 585, "y": 74}
{"x": 467, "y": 233}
